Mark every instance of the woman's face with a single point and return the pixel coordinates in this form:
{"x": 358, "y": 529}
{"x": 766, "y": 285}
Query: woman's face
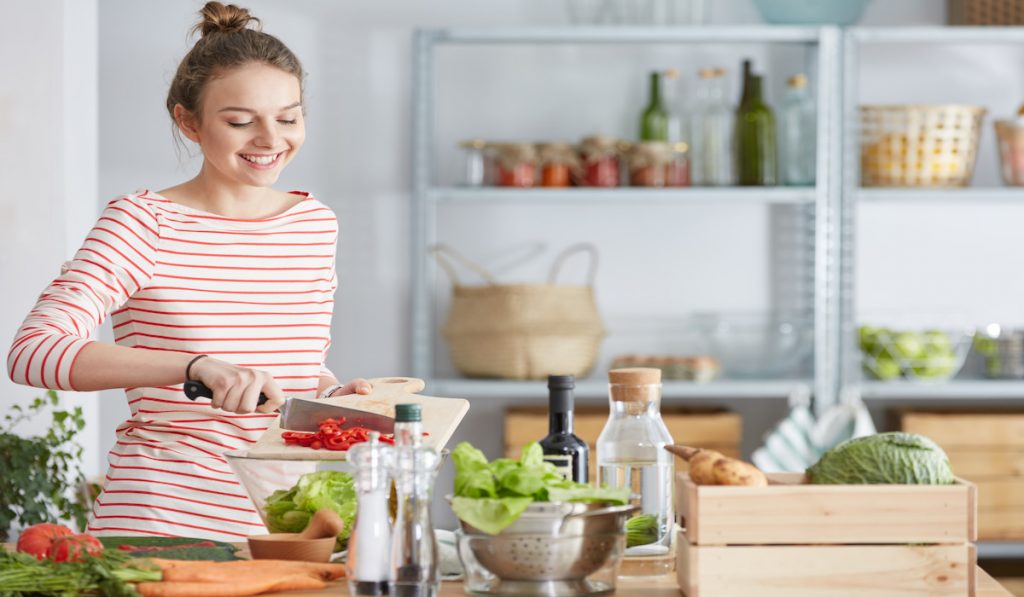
{"x": 251, "y": 124}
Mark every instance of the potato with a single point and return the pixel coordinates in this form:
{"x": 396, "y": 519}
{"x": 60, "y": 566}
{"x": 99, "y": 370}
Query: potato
{"x": 701, "y": 467}
{"x": 729, "y": 471}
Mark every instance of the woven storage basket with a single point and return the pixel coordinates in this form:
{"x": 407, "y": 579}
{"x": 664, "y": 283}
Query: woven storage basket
{"x": 919, "y": 146}
{"x": 1010, "y": 136}
{"x": 985, "y": 12}
{"x": 522, "y": 331}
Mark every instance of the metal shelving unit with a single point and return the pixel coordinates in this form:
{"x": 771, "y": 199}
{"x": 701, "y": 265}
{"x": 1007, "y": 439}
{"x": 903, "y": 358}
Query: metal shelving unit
{"x": 853, "y": 194}
{"x": 817, "y": 204}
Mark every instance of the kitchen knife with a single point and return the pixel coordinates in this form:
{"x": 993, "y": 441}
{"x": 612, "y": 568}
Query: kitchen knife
{"x": 299, "y": 414}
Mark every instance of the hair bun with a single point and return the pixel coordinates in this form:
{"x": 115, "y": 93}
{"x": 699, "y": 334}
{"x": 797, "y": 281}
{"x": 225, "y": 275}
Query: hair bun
{"x": 221, "y": 18}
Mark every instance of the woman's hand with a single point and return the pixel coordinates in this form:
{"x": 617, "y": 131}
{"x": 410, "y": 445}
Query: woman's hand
{"x": 356, "y": 386}
{"x": 237, "y": 389}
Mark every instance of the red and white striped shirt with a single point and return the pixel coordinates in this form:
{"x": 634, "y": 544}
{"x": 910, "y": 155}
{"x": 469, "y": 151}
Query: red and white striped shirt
{"x": 257, "y": 293}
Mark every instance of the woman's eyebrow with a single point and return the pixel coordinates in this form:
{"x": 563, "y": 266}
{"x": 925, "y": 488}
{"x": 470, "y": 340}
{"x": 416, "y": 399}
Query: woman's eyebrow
{"x": 251, "y": 111}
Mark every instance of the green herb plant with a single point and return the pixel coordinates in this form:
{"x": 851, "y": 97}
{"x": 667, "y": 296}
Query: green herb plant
{"x": 42, "y": 475}
{"x": 109, "y": 574}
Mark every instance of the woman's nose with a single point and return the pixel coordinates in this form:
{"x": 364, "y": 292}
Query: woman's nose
{"x": 267, "y": 134}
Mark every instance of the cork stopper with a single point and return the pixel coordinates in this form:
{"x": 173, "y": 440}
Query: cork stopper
{"x": 635, "y": 384}
{"x": 711, "y": 72}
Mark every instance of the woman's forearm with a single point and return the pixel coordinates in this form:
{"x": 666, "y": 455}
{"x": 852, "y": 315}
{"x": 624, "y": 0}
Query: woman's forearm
{"x": 102, "y": 366}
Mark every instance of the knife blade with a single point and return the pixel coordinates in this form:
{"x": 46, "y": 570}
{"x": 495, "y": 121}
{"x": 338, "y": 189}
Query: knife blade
{"x": 300, "y": 414}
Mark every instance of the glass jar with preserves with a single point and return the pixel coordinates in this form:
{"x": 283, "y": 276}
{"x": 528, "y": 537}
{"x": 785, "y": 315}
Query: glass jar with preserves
{"x": 517, "y": 165}
{"x": 648, "y": 164}
{"x": 600, "y": 157}
{"x": 677, "y": 170}
{"x": 558, "y": 162}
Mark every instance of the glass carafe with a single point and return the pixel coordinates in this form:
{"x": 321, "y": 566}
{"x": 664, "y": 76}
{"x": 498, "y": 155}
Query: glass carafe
{"x": 368, "y": 547}
{"x": 631, "y": 453}
{"x": 414, "y": 551}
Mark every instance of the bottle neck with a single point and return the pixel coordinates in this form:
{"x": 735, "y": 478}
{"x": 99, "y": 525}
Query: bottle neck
{"x": 409, "y": 433}
{"x": 752, "y": 90}
{"x": 655, "y": 90}
{"x": 559, "y": 422}
{"x": 639, "y": 408}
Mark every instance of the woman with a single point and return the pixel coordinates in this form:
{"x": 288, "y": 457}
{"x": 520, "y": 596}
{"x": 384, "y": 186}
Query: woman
{"x": 221, "y": 279}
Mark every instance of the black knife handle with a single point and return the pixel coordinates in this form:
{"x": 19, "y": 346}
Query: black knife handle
{"x": 197, "y": 389}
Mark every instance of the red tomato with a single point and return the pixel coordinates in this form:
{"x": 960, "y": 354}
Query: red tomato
{"x": 39, "y": 538}
{"x": 72, "y": 548}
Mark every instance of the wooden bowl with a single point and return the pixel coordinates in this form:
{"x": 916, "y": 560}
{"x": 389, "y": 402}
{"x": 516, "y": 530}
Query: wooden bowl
{"x": 288, "y": 546}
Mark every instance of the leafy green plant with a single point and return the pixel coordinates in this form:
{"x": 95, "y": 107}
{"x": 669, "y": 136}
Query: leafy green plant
{"x": 42, "y": 475}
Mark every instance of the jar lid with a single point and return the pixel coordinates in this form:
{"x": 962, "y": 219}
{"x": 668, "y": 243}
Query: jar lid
{"x": 638, "y": 376}
{"x": 797, "y": 81}
{"x": 711, "y": 72}
{"x": 473, "y": 144}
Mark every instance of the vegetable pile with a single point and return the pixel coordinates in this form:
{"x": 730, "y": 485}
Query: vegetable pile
{"x": 491, "y": 496}
{"x": 884, "y": 458}
{"x": 289, "y": 511}
{"x": 331, "y": 436}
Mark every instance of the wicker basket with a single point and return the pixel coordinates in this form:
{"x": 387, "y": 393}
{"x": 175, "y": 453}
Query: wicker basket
{"x": 986, "y": 12}
{"x": 919, "y": 146}
{"x": 522, "y": 331}
{"x": 1010, "y": 136}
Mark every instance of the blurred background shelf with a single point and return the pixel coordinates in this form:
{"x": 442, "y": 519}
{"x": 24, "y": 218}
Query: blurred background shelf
{"x": 628, "y": 34}
{"x": 951, "y": 390}
{"x": 588, "y": 388}
{"x": 757, "y": 195}
{"x": 967, "y": 194}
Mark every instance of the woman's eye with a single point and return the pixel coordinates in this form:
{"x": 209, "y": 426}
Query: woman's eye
{"x": 288, "y": 121}
{"x": 239, "y": 125}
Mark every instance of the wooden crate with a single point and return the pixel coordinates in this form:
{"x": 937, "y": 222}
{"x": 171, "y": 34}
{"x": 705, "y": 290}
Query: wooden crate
{"x": 715, "y": 429}
{"x": 818, "y": 540}
{"x": 986, "y": 448}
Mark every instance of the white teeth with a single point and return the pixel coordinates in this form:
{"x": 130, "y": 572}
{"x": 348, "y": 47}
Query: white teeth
{"x": 263, "y": 160}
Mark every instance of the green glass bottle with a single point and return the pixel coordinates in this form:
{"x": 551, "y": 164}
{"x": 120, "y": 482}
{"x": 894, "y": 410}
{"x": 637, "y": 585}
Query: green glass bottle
{"x": 756, "y": 153}
{"x": 654, "y": 120}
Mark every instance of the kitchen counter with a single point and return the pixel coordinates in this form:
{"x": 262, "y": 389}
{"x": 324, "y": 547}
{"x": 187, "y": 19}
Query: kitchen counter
{"x": 661, "y": 586}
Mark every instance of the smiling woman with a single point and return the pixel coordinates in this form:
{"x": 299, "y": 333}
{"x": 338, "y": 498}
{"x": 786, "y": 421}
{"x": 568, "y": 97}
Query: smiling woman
{"x": 221, "y": 279}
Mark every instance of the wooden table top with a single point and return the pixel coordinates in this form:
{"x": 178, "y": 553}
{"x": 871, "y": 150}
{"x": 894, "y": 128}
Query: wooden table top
{"x": 658, "y": 586}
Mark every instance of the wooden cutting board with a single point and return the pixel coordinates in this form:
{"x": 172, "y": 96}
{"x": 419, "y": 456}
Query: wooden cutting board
{"x": 441, "y": 416}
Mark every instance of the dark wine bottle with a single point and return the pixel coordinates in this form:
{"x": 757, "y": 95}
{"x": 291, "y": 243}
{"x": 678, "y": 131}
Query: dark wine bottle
{"x": 561, "y": 447}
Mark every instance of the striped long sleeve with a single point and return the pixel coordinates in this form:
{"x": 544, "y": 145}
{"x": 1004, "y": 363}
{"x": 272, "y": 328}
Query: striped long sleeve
{"x": 256, "y": 293}
{"x": 115, "y": 261}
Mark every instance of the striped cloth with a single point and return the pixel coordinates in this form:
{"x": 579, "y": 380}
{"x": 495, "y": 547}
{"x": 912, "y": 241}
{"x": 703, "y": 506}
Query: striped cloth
{"x": 798, "y": 441}
{"x": 257, "y": 293}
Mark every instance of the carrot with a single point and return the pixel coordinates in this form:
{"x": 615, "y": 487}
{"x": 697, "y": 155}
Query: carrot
{"x": 241, "y": 587}
{"x": 187, "y": 570}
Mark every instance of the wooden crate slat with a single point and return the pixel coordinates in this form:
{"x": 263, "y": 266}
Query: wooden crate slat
{"x": 787, "y": 513}
{"x": 826, "y": 570}
{"x": 976, "y": 464}
{"x": 951, "y": 430}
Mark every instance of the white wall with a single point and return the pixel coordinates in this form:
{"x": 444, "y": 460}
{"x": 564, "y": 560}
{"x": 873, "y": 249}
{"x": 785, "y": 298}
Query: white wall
{"x": 48, "y": 168}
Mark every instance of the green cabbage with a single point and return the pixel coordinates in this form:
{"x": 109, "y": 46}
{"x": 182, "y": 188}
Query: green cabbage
{"x": 289, "y": 511}
{"x": 886, "y": 458}
{"x": 491, "y": 496}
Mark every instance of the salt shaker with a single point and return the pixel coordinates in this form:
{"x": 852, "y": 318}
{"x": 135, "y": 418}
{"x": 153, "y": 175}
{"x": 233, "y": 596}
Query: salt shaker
{"x": 368, "y": 562}
{"x": 414, "y": 550}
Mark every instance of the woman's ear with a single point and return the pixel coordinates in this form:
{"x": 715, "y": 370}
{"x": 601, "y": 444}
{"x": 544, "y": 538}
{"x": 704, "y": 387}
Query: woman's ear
{"x": 186, "y": 123}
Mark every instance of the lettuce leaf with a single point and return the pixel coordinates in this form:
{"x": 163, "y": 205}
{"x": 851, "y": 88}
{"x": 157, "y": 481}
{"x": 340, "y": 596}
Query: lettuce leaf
{"x": 289, "y": 511}
{"x": 491, "y": 496}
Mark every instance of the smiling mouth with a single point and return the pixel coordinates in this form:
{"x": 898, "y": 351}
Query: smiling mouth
{"x": 261, "y": 161}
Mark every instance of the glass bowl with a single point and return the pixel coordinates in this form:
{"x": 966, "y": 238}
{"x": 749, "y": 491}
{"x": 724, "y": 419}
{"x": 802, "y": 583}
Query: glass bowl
{"x": 913, "y": 354}
{"x": 757, "y": 344}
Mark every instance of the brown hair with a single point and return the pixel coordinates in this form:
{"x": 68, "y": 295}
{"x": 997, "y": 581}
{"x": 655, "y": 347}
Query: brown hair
{"x": 227, "y": 42}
